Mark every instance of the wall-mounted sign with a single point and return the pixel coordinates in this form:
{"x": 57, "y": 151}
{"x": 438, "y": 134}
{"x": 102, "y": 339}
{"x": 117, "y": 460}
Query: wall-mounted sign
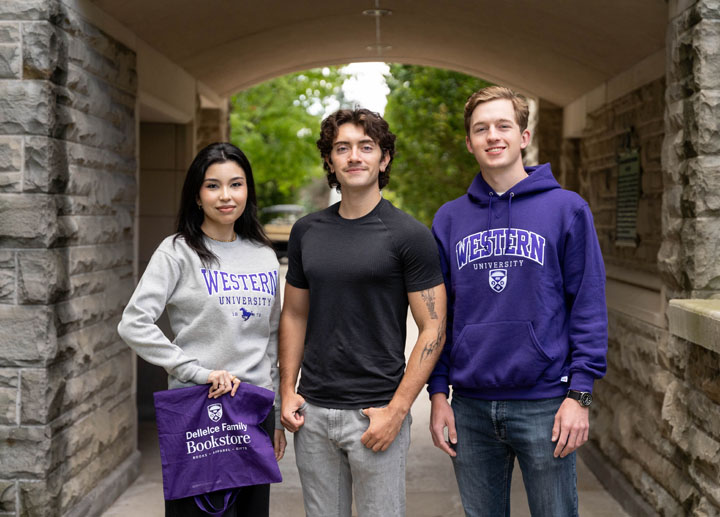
{"x": 628, "y": 193}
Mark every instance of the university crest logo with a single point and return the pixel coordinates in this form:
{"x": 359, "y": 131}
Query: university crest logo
{"x": 497, "y": 278}
{"x": 215, "y": 412}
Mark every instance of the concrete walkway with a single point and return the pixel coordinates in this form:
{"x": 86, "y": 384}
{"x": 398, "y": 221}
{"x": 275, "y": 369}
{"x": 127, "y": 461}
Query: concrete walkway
{"x": 431, "y": 487}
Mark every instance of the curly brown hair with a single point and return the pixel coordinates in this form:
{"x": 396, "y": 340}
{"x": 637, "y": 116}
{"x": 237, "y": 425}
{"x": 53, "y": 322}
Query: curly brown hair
{"x": 374, "y": 126}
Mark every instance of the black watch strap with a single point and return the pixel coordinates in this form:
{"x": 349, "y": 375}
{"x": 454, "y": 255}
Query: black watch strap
{"x": 584, "y": 398}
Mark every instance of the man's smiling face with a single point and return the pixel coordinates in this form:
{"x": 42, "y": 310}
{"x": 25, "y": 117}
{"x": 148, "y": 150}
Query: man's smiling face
{"x": 495, "y": 138}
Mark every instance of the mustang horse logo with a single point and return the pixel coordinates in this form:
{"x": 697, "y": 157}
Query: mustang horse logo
{"x": 215, "y": 412}
{"x": 497, "y": 279}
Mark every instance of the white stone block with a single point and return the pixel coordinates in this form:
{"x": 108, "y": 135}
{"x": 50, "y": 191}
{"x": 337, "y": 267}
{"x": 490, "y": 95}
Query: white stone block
{"x": 27, "y": 335}
{"x": 27, "y": 219}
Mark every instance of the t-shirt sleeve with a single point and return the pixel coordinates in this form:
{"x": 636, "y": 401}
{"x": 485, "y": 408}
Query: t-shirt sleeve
{"x": 296, "y": 275}
{"x": 419, "y": 253}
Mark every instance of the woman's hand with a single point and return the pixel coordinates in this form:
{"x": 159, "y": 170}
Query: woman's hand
{"x": 279, "y": 443}
{"x": 221, "y": 382}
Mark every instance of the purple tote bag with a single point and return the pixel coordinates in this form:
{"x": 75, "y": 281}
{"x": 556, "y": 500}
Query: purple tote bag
{"x": 214, "y": 444}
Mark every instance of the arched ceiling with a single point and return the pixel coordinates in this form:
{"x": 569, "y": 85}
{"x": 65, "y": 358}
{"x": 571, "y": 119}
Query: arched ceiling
{"x": 554, "y": 49}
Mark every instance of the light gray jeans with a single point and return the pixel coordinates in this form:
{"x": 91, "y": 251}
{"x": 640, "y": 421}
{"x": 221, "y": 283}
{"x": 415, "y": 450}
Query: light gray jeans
{"x": 331, "y": 461}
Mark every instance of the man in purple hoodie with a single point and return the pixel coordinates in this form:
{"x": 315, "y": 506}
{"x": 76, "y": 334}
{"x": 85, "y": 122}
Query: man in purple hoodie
{"x": 527, "y": 321}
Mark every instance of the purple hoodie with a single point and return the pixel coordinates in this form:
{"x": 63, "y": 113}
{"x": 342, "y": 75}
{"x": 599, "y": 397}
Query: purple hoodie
{"x": 526, "y": 292}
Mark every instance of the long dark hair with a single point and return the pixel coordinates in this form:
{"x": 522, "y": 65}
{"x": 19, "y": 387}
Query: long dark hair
{"x": 190, "y": 216}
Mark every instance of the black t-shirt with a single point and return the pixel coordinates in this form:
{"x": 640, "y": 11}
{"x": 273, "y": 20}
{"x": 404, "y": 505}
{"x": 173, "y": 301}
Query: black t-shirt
{"x": 359, "y": 272}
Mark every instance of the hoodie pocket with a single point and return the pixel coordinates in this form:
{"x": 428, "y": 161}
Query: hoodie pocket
{"x": 502, "y": 354}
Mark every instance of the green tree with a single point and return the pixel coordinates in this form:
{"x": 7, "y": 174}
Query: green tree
{"x": 276, "y": 124}
{"x": 425, "y": 111}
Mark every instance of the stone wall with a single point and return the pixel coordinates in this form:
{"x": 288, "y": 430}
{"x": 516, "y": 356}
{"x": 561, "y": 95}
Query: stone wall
{"x": 211, "y": 126}
{"x": 166, "y": 151}
{"x": 570, "y": 170}
{"x": 691, "y": 159}
{"x": 548, "y": 135}
{"x": 639, "y": 117}
{"x": 656, "y": 419}
{"x": 657, "y": 416}
{"x": 67, "y": 196}
{"x": 688, "y": 259}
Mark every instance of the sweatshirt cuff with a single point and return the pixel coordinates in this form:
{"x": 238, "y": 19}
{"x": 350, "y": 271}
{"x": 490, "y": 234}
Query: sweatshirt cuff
{"x": 201, "y": 376}
{"x": 438, "y": 384}
{"x": 278, "y": 424}
{"x": 581, "y": 381}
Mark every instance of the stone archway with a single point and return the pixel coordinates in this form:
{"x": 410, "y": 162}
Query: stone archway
{"x": 80, "y": 75}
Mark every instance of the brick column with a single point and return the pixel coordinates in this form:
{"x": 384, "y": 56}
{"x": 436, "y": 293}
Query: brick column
{"x": 67, "y": 195}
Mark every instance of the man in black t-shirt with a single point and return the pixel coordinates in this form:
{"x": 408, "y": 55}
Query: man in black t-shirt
{"x": 353, "y": 269}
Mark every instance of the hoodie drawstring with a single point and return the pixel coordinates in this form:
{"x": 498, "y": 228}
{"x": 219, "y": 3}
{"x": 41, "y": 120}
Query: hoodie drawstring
{"x": 489, "y": 223}
{"x": 492, "y": 195}
{"x": 512, "y": 195}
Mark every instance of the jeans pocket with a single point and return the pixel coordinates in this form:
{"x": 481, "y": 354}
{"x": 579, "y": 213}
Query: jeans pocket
{"x": 362, "y": 410}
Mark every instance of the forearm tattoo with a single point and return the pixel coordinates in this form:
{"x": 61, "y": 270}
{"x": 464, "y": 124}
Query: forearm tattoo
{"x": 428, "y": 296}
{"x": 433, "y": 345}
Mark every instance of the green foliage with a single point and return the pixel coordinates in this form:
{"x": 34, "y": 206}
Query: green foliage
{"x": 425, "y": 111}
{"x": 276, "y": 124}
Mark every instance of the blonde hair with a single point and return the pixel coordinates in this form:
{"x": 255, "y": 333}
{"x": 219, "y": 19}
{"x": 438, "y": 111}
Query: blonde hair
{"x": 492, "y": 93}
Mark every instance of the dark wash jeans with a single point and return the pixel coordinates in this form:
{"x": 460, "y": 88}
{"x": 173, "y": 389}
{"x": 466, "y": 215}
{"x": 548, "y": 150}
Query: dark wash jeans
{"x": 251, "y": 501}
{"x": 490, "y": 435}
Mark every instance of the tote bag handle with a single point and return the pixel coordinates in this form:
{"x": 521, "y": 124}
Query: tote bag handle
{"x": 205, "y": 504}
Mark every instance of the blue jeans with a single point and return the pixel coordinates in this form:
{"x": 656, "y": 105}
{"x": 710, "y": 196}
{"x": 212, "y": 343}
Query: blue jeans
{"x": 490, "y": 435}
{"x": 332, "y": 461}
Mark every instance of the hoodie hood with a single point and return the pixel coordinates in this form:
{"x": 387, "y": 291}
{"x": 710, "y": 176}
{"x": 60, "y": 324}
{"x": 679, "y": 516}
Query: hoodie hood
{"x": 540, "y": 179}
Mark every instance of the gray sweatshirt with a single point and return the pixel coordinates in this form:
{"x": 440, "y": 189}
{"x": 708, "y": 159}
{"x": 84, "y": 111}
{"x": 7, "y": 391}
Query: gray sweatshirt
{"x": 224, "y": 316}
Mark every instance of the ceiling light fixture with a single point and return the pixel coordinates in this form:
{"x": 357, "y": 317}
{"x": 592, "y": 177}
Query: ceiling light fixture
{"x": 377, "y": 13}
{"x": 379, "y": 48}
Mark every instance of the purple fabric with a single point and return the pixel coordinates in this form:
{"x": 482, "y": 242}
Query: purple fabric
{"x": 205, "y": 504}
{"x": 214, "y": 444}
{"x": 524, "y": 273}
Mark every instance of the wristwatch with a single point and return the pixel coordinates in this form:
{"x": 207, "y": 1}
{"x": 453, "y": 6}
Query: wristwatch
{"x": 584, "y": 398}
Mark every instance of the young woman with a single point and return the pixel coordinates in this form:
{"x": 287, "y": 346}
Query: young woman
{"x": 218, "y": 279}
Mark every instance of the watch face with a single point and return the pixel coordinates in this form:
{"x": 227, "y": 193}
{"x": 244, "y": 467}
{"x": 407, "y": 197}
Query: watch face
{"x": 586, "y": 399}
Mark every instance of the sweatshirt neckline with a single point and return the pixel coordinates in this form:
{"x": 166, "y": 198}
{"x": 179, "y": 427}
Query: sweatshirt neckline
{"x": 222, "y": 244}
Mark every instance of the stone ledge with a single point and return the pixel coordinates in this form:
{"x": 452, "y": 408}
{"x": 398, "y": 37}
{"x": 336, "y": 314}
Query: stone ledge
{"x": 697, "y": 321}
